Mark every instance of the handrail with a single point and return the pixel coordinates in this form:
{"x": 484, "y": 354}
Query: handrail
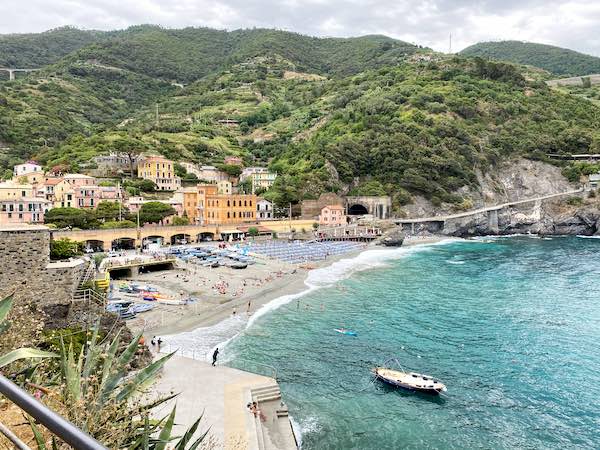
{"x": 57, "y": 424}
{"x": 18, "y": 443}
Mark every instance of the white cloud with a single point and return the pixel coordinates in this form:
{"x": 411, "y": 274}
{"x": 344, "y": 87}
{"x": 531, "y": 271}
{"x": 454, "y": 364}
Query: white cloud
{"x": 570, "y": 23}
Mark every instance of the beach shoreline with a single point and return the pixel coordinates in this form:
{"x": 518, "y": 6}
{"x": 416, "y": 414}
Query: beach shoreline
{"x": 287, "y": 280}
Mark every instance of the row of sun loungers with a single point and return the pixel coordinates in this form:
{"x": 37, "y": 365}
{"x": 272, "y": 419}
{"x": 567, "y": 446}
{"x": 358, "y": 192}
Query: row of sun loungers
{"x": 302, "y": 252}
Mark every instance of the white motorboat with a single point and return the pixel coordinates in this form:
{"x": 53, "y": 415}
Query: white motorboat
{"x": 409, "y": 380}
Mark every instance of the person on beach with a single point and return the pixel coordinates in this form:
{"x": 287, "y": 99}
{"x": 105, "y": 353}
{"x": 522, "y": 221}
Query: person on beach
{"x": 153, "y": 341}
{"x": 249, "y": 305}
{"x": 159, "y": 342}
{"x": 234, "y": 312}
{"x": 215, "y": 355}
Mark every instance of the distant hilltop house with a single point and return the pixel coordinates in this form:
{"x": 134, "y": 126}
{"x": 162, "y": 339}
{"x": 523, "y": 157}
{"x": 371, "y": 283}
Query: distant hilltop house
{"x": 212, "y": 174}
{"x": 191, "y": 168}
{"x": 234, "y": 161}
{"x": 113, "y": 163}
{"x": 160, "y": 171}
{"x": 260, "y": 177}
{"x": 332, "y": 216}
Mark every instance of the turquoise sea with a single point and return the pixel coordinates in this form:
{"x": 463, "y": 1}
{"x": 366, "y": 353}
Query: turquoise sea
{"x": 510, "y": 325}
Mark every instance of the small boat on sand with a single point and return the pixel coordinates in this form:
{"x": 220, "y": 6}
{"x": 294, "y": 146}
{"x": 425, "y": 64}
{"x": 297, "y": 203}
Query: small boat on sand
{"x": 409, "y": 380}
{"x": 346, "y": 332}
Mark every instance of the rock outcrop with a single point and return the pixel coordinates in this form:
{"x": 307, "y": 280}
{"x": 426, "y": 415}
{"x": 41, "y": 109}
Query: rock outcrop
{"x": 393, "y": 238}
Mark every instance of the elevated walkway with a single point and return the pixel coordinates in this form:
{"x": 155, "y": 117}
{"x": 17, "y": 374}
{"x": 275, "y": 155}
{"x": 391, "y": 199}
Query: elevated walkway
{"x": 222, "y": 393}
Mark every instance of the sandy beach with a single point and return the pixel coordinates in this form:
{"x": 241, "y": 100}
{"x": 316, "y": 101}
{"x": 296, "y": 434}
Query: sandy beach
{"x": 224, "y": 292}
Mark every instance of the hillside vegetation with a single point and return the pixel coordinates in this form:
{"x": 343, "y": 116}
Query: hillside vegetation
{"x": 36, "y": 50}
{"x": 365, "y": 116}
{"x": 556, "y": 60}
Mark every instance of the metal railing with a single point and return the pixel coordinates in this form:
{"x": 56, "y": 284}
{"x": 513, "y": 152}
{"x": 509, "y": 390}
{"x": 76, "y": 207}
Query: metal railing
{"x": 58, "y": 425}
{"x": 89, "y": 295}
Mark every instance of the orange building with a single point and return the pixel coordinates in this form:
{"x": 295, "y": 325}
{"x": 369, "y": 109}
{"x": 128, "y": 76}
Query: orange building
{"x": 216, "y": 208}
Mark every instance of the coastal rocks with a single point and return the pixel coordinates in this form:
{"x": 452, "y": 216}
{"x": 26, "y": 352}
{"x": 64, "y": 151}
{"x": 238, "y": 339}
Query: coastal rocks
{"x": 393, "y": 238}
{"x": 551, "y": 218}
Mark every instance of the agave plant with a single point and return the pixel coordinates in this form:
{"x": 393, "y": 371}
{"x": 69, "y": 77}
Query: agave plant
{"x": 21, "y": 353}
{"x": 98, "y": 393}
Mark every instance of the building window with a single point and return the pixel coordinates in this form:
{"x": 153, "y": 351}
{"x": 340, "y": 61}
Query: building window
{"x": 20, "y": 216}
{"x": 23, "y": 193}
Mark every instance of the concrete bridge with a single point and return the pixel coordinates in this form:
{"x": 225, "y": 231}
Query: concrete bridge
{"x": 11, "y": 72}
{"x": 130, "y": 238}
{"x": 490, "y": 211}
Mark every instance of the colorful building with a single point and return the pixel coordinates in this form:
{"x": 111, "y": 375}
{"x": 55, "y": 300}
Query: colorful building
{"x": 260, "y": 177}
{"x": 10, "y": 190}
{"x": 19, "y": 204}
{"x": 332, "y": 216}
{"x": 23, "y": 210}
{"x": 160, "y": 171}
{"x": 215, "y": 208}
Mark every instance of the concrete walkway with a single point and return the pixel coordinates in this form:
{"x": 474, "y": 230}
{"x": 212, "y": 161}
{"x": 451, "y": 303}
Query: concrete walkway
{"x": 221, "y": 392}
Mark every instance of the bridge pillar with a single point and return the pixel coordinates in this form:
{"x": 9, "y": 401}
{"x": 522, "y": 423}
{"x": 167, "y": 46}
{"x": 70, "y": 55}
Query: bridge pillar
{"x": 493, "y": 221}
{"x": 11, "y": 75}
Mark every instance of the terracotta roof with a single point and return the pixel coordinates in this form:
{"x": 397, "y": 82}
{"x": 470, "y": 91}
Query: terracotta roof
{"x": 52, "y": 181}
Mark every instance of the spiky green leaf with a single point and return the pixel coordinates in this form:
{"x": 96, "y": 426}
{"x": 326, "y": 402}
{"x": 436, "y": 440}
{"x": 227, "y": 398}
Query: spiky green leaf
{"x": 24, "y": 353}
{"x": 5, "y": 305}
{"x": 142, "y": 378}
{"x": 165, "y": 434}
{"x": 187, "y": 436}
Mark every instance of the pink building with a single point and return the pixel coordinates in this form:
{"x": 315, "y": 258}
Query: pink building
{"x": 332, "y": 216}
{"x": 23, "y": 210}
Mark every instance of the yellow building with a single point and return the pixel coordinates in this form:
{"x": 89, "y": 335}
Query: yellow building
{"x": 225, "y": 187}
{"x": 161, "y": 171}
{"x": 30, "y": 178}
{"x": 11, "y": 190}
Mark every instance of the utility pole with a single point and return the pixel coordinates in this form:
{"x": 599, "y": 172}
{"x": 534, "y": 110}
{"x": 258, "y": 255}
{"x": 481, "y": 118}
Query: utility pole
{"x": 157, "y": 121}
{"x": 120, "y": 198}
{"x": 139, "y": 232}
{"x": 450, "y": 44}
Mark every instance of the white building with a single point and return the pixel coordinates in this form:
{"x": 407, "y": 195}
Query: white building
{"x": 260, "y": 177}
{"x": 264, "y": 209}
{"x": 28, "y": 167}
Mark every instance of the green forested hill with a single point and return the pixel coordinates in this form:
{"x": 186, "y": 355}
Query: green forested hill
{"x": 371, "y": 117}
{"x": 40, "y": 49}
{"x": 189, "y": 54}
{"x": 556, "y": 60}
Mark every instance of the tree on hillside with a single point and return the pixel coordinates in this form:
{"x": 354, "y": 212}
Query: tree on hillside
{"x": 71, "y": 218}
{"x": 154, "y": 212}
{"x": 230, "y": 169}
{"x": 131, "y": 147}
{"x": 109, "y": 211}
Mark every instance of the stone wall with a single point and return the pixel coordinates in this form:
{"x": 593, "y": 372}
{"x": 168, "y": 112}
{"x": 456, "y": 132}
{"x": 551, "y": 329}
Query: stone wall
{"x": 26, "y": 270}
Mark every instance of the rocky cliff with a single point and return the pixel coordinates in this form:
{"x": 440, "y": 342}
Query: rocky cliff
{"x": 519, "y": 180}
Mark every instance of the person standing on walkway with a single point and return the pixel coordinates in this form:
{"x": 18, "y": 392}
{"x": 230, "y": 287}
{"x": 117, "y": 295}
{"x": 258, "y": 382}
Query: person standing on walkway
{"x": 215, "y": 355}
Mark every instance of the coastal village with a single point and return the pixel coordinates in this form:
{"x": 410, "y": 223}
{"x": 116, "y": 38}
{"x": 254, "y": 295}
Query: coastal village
{"x": 261, "y": 240}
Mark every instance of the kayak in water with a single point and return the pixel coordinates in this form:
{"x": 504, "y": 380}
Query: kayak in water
{"x": 346, "y": 332}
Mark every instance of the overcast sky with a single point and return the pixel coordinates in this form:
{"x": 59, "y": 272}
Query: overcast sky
{"x": 573, "y": 24}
